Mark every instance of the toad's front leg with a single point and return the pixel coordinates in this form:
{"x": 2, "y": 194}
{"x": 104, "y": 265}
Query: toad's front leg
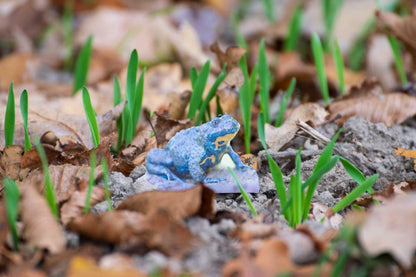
{"x": 158, "y": 162}
{"x": 236, "y": 159}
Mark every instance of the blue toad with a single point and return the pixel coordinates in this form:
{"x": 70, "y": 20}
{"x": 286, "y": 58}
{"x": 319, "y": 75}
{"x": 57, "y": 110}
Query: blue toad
{"x": 192, "y": 152}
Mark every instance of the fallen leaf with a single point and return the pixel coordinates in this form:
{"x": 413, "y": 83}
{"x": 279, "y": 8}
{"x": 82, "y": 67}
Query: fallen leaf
{"x": 178, "y": 104}
{"x": 330, "y": 219}
{"x": 388, "y": 108}
{"x": 11, "y": 159}
{"x": 403, "y": 28}
{"x": 16, "y": 68}
{"x": 74, "y": 207}
{"x": 40, "y": 227}
{"x": 390, "y": 228}
{"x": 166, "y": 128}
{"x": 198, "y": 200}
{"x": 250, "y": 230}
{"x": 157, "y": 231}
{"x": 83, "y": 267}
{"x": 407, "y": 154}
{"x": 31, "y": 158}
{"x": 278, "y": 137}
{"x": 231, "y": 56}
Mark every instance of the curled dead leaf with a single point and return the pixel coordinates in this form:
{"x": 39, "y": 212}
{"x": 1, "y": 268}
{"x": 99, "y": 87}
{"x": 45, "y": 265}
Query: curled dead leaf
{"x": 11, "y": 160}
{"x": 40, "y": 226}
{"x": 276, "y": 138}
{"x": 198, "y": 200}
{"x": 390, "y": 228}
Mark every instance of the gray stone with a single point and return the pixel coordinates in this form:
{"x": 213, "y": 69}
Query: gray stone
{"x": 138, "y": 172}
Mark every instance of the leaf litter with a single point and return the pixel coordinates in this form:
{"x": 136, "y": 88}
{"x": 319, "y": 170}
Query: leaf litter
{"x": 195, "y": 231}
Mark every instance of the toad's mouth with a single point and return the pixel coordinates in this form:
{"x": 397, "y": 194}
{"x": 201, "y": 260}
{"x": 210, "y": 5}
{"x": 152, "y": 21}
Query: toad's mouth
{"x": 223, "y": 140}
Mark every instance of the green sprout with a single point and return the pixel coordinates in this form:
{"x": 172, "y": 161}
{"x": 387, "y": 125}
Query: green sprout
{"x": 330, "y": 9}
{"x": 283, "y": 104}
{"x": 243, "y": 192}
{"x": 235, "y": 23}
{"x": 199, "y": 82}
{"x": 106, "y": 187}
{"x": 294, "y": 30}
{"x": 395, "y": 47}
{"x": 49, "y": 189}
{"x": 246, "y": 100}
{"x": 296, "y": 204}
{"x": 9, "y": 118}
{"x": 24, "y": 110}
{"x": 212, "y": 92}
{"x": 81, "y": 66}
{"x": 90, "y": 182}
{"x": 318, "y": 55}
{"x": 126, "y": 125}
{"x": 12, "y": 195}
{"x": 92, "y": 121}
{"x": 264, "y": 78}
{"x": 339, "y": 64}
{"x": 269, "y": 10}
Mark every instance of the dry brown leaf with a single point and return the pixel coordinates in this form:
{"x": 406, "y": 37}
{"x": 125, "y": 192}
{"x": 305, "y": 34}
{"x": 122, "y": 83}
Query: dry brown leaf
{"x": 157, "y": 231}
{"x": 178, "y": 104}
{"x": 74, "y": 207}
{"x": 166, "y": 128}
{"x": 403, "y": 28}
{"x": 291, "y": 66}
{"x": 198, "y": 200}
{"x": 231, "y": 56}
{"x": 389, "y": 108}
{"x": 11, "y": 159}
{"x": 323, "y": 212}
{"x": 16, "y": 68}
{"x": 254, "y": 230}
{"x": 407, "y": 154}
{"x": 4, "y": 228}
{"x": 31, "y": 158}
{"x": 104, "y": 64}
{"x": 86, "y": 267}
{"x": 390, "y": 228}
{"x": 40, "y": 227}
{"x": 276, "y": 138}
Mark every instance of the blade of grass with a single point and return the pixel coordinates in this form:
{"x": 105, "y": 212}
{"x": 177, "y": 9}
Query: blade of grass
{"x": 274, "y": 168}
{"x": 324, "y": 158}
{"x": 243, "y": 192}
{"x": 138, "y": 100}
{"x": 245, "y": 104}
{"x": 106, "y": 187}
{"x": 294, "y": 30}
{"x": 24, "y": 99}
{"x": 131, "y": 79}
{"x": 355, "y": 193}
{"x": 283, "y": 105}
{"x": 339, "y": 64}
{"x": 117, "y": 99}
{"x": 318, "y": 55}
{"x": 268, "y": 8}
{"x": 90, "y": 113}
{"x": 239, "y": 37}
{"x": 297, "y": 191}
{"x": 82, "y": 65}
{"x": 90, "y": 182}
{"x": 199, "y": 89}
{"x": 330, "y": 11}
{"x": 395, "y": 47}
{"x": 354, "y": 172}
{"x": 264, "y": 77}
{"x": 193, "y": 76}
{"x": 211, "y": 94}
{"x": 12, "y": 195}
{"x": 49, "y": 188}
{"x": 9, "y": 118}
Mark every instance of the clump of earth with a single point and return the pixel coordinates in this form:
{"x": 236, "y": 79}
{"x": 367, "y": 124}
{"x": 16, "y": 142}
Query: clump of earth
{"x": 368, "y": 146}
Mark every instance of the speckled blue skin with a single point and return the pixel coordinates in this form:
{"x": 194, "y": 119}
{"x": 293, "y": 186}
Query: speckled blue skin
{"x": 192, "y": 152}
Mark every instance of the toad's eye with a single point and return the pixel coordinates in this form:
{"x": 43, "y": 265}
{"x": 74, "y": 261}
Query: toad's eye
{"x": 215, "y": 122}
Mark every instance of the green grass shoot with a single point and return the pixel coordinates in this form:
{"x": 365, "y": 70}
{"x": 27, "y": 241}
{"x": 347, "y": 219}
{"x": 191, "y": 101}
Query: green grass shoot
{"x": 355, "y": 193}
{"x": 68, "y": 34}
{"x": 82, "y": 65}
{"x": 117, "y": 99}
{"x": 9, "y": 118}
{"x": 24, "y": 99}
{"x": 12, "y": 196}
{"x": 358, "y": 49}
{"x": 106, "y": 187}
{"x": 339, "y": 65}
{"x": 212, "y": 92}
{"x": 49, "y": 188}
{"x": 330, "y": 9}
{"x": 294, "y": 32}
{"x": 246, "y": 100}
{"x": 395, "y": 47}
{"x": 198, "y": 85}
{"x": 239, "y": 37}
{"x": 91, "y": 182}
{"x": 274, "y": 168}
{"x": 268, "y": 8}
{"x": 90, "y": 113}
{"x": 243, "y": 193}
{"x": 283, "y": 104}
{"x": 318, "y": 55}
{"x": 264, "y": 78}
